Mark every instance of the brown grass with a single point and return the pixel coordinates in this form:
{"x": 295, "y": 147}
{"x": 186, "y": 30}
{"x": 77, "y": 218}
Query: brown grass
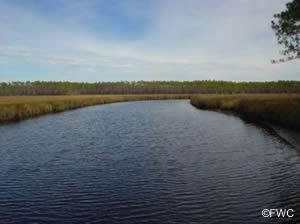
{"x": 281, "y": 109}
{"x": 14, "y": 108}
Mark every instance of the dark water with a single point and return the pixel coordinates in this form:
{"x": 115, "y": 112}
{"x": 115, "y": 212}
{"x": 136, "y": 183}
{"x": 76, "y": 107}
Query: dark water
{"x": 144, "y": 162}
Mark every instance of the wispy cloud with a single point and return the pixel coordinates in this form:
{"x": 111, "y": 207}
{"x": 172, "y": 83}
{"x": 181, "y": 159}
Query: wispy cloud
{"x": 128, "y": 40}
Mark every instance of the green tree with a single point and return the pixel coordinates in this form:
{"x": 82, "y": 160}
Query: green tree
{"x": 286, "y": 26}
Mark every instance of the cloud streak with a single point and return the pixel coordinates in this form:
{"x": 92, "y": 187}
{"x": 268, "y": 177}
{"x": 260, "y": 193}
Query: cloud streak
{"x": 176, "y": 40}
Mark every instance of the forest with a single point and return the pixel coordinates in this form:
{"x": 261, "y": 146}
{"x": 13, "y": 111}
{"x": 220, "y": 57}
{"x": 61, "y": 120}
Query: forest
{"x": 38, "y": 88}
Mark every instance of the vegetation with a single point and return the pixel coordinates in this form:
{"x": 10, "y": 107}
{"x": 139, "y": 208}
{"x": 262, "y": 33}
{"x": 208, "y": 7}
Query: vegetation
{"x": 287, "y": 29}
{"x": 281, "y": 109}
{"x": 146, "y": 87}
{"x": 14, "y": 108}
{"x": 281, "y": 105}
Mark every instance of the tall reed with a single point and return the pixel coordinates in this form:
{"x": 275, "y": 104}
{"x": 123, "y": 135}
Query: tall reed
{"x": 14, "y": 108}
{"x": 281, "y": 109}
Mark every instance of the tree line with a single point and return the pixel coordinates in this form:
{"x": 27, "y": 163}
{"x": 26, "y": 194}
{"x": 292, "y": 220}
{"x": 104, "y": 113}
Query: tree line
{"x": 146, "y": 87}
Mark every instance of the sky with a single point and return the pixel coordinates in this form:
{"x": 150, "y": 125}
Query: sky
{"x": 113, "y": 40}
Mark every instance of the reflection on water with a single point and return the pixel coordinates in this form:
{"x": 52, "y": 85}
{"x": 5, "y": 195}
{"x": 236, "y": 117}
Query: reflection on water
{"x": 144, "y": 162}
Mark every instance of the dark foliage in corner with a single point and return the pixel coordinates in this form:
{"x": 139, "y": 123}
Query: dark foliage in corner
{"x": 286, "y": 26}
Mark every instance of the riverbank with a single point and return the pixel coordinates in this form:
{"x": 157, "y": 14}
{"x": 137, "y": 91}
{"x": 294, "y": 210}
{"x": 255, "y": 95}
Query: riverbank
{"x": 15, "y": 108}
{"x": 279, "y": 109}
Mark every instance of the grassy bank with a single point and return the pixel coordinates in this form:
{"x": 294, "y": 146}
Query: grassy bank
{"x": 14, "y": 108}
{"x": 280, "y": 109}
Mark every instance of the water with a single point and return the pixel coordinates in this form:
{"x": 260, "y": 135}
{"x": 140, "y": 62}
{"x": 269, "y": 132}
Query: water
{"x": 144, "y": 162}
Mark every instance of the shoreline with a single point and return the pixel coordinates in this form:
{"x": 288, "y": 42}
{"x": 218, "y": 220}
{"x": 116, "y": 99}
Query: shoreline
{"x": 276, "y": 110}
{"x": 17, "y": 108}
{"x": 281, "y": 110}
{"x": 291, "y": 136}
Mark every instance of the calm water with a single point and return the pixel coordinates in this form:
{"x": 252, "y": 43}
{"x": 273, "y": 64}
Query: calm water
{"x": 144, "y": 162}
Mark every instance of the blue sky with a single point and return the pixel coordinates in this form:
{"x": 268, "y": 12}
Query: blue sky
{"x": 111, "y": 40}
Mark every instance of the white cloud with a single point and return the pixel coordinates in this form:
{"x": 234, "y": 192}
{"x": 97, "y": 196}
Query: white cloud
{"x": 185, "y": 40}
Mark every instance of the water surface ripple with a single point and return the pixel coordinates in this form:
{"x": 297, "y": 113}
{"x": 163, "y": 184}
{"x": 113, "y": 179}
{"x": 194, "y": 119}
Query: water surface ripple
{"x": 144, "y": 162}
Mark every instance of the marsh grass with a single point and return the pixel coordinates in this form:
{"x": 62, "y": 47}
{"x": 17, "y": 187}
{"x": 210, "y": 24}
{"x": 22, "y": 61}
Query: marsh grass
{"x": 15, "y": 108}
{"x": 281, "y": 109}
